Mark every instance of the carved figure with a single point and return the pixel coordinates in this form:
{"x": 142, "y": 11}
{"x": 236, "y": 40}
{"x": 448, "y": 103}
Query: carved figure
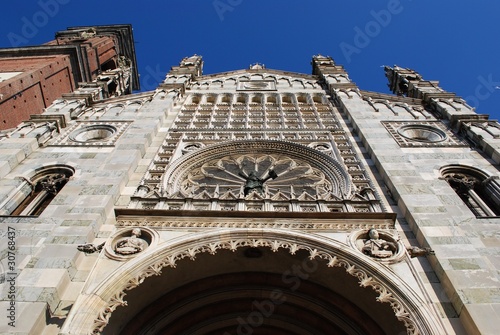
{"x": 54, "y": 182}
{"x": 124, "y": 62}
{"x": 90, "y": 248}
{"x": 419, "y": 252}
{"x": 91, "y": 32}
{"x": 377, "y": 247}
{"x": 255, "y": 183}
{"x": 131, "y": 245}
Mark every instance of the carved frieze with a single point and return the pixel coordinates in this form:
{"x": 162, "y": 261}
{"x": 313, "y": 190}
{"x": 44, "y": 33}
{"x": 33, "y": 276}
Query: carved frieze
{"x": 304, "y": 225}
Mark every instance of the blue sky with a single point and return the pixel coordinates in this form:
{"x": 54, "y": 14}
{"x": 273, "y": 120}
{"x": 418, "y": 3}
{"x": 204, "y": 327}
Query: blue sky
{"x": 454, "y": 42}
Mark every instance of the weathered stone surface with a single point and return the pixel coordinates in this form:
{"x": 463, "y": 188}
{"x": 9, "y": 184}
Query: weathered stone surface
{"x": 166, "y": 173}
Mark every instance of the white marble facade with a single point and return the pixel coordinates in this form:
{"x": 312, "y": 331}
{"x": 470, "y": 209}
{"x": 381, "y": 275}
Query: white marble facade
{"x": 386, "y": 204}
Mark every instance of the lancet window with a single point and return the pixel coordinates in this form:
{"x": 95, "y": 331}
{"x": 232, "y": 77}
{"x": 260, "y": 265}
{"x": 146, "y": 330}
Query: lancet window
{"x": 34, "y": 194}
{"x": 480, "y": 192}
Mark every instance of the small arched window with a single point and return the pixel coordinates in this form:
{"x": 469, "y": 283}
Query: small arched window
{"x": 36, "y": 193}
{"x": 195, "y": 100}
{"x": 480, "y": 192}
{"x": 317, "y": 99}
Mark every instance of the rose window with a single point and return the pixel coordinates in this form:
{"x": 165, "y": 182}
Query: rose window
{"x": 265, "y": 174}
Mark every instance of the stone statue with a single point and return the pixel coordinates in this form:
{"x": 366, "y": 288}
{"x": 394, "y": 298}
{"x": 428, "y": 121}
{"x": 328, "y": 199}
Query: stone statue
{"x": 91, "y": 32}
{"x": 379, "y": 248}
{"x": 131, "y": 245}
{"x": 255, "y": 183}
{"x": 124, "y": 62}
{"x": 257, "y": 66}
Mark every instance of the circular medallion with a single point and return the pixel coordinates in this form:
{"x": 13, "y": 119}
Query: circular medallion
{"x": 94, "y": 133}
{"x": 128, "y": 243}
{"x": 379, "y": 245}
{"x": 422, "y": 133}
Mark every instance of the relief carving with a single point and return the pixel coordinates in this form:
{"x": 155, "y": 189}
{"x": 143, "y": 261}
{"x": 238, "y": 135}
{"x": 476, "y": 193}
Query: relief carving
{"x": 376, "y": 247}
{"x": 129, "y": 242}
{"x": 131, "y": 245}
{"x": 380, "y": 245}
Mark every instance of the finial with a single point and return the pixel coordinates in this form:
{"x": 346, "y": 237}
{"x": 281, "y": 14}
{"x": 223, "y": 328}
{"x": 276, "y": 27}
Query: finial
{"x": 257, "y": 66}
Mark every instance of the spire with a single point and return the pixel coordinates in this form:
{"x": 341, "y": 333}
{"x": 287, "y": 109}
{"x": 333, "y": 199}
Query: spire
{"x": 180, "y": 76}
{"x": 189, "y": 65}
{"x": 257, "y": 66}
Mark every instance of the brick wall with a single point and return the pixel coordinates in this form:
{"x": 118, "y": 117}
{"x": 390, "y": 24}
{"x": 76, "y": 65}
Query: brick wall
{"x": 43, "y": 80}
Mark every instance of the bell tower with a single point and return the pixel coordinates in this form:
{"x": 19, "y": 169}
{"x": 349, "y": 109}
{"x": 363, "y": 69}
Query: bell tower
{"x": 32, "y": 78}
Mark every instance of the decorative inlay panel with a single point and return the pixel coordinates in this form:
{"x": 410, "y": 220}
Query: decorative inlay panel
{"x": 422, "y": 134}
{"x": 256, "y": 85}
{"x": 91, "y": 133}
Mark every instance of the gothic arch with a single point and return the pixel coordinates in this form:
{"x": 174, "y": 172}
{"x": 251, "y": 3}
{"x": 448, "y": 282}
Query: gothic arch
{"x": 93, "y": 309}
{"x": 477, "y": 189}
{"x": 229, "y": 82}
{"x": 36, "y": 190}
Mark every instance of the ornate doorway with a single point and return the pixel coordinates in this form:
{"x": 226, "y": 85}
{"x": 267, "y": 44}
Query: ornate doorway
{"x": 251, "y": 281}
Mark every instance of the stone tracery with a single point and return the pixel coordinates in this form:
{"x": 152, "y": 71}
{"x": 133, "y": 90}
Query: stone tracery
{"x": 294, "y": 177}
{"x": 213, "y": 172}
{"x": 211, "y": 176}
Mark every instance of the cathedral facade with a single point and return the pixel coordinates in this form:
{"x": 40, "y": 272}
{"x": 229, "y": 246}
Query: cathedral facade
{"x": 253, "y": 201}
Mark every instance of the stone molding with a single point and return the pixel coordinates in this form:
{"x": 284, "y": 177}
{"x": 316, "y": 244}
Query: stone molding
{"x": 92, "y": 311}
{"x": 305, "y": 225}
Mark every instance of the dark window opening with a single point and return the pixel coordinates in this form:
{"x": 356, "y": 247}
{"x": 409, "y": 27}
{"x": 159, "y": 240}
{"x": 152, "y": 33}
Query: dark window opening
{"x": 45, "y": 185}
{"x": 109, "y": 65}
{"x": 478, "y": 191}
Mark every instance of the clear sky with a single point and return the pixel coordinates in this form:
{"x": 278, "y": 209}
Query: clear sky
{"x": 454, "y": 42}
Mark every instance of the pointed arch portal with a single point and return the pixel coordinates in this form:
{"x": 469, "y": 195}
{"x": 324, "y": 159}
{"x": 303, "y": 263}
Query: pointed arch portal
{"x": 251, "y": 281}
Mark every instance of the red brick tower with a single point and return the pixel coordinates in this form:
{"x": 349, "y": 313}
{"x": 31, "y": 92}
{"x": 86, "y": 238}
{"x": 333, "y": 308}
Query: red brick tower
{"x": 31, "y": 78}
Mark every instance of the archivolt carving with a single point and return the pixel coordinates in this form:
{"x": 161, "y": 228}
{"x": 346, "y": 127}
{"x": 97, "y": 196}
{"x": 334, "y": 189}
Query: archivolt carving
{"x": 407, "y": 307}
